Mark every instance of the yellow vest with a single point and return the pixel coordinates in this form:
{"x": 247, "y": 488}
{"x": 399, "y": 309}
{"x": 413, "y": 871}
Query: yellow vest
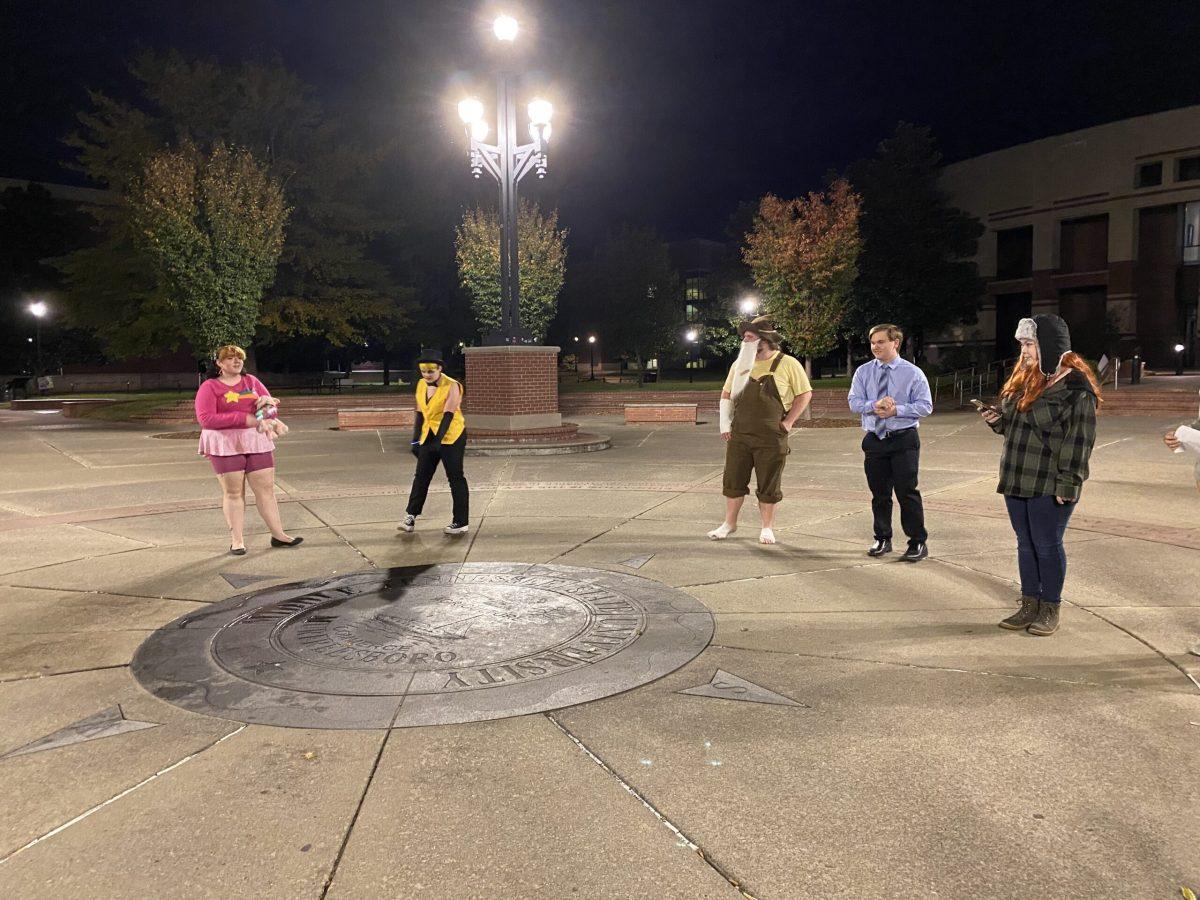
{"x": 433, "y": 408}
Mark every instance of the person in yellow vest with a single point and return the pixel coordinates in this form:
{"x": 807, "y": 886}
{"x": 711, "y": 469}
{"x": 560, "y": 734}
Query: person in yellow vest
{"x": 439, "y": 435}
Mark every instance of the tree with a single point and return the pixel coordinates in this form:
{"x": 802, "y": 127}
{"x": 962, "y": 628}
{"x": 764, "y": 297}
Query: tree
{"x": 329, "y": 284}
{"x": 542, "y": 260}
{"x": 213, "y": 225}
{"x": 634, "y": 291}
{"x": 803, "y": 255}
{"x": 917, "y": 267}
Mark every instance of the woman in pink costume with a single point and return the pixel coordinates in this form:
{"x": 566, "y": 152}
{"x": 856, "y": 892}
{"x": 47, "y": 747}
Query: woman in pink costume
{"x": 239, "y": 426}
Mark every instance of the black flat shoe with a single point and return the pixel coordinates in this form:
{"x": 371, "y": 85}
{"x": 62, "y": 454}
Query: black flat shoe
{"x": 276, "y": 542}
{"x": 238, "y": 551}
{"x": 880, "y": 547}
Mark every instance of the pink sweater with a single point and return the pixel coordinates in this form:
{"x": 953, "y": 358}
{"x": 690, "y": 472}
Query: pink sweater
{"x": 221, "y": 411}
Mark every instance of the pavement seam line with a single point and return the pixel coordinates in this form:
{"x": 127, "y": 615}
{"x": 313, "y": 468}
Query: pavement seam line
{"x": 102, "y": 593}
{"x": 114, "y": 799}
{"x": 671, "y": 826}
{"x": 71, "y": 456}
{"x": 928, "y": 668}
{"x": 341, "y": 537}
{"x": 505, "y": 472}
{"x": 626, "y": 520}
{"x": 337, "y": 860}
{"x": 68, "y": 672}
{"x": 1186, "y": 674}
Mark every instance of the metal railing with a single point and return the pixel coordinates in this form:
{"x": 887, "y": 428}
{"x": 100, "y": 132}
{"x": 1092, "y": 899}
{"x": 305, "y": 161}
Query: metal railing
{"x": 976, "y": 381}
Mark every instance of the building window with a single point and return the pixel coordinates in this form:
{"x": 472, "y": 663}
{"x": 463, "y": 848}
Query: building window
{"x": 1014, "y": 253}
{"x": 695, "y": 289}
{"x": 1191, "y": 233}
{"x": 1083, "y": 244}
{"x": 1149, "y": 175}
{"x": 691, "y": 312}
{"x": 1187, "y": 169}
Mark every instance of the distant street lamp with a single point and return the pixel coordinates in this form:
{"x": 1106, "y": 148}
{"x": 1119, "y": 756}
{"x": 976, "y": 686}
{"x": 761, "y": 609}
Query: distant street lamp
{"x": 592, "y": 356}
{"x": 691, "y": 337}
{"x": 38, "y": 310}
{"x": 1179, "y": 348}
{"x": 508, "y": 162}
{"x": 748, "y": 306}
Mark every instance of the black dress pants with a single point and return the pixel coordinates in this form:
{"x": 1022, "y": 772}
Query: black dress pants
{"x": 451, "y": 458}
{"x": 891, "y": 464}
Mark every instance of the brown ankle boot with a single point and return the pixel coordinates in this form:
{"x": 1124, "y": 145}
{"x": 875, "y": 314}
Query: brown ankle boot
{"x": 1023, "y": 616}
{"x": 1047, "y": 620}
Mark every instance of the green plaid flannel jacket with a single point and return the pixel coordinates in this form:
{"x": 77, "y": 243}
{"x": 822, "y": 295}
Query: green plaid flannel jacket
{"x": 1047, "y": 447}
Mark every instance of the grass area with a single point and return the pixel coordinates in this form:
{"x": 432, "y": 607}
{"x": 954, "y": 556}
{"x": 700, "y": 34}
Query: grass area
{"x": 676, "y": 384}
{"x": 126, "y": 407}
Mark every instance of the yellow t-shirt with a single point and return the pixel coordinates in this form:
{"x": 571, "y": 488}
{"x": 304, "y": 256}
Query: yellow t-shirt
{"x": 789, "y": 377}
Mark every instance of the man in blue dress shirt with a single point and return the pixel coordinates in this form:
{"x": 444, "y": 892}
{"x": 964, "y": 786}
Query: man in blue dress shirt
{"x": 892, "y": 396}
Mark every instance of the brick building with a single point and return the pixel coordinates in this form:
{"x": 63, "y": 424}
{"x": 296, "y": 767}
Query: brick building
{"x": 1101, "y": 226}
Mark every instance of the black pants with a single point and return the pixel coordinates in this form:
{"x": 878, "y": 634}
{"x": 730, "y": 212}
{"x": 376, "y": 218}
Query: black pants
{"x": 451, "y": 458}
{"x": 891, "y": 464}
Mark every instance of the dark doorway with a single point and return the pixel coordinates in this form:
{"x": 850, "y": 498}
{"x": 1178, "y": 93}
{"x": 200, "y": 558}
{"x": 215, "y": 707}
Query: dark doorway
{"x": 1010, "y": 309}
{"x": 1084, "y": 310}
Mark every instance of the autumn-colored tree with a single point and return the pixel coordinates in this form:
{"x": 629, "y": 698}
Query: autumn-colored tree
{"x": 541, "y": 264}
{"x": 213, "y": 225}
{"x": 803, "y": 254}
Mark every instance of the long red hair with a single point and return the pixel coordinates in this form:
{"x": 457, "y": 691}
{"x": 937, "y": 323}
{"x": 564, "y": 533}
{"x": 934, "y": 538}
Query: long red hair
{"x": 1028, "y": 383}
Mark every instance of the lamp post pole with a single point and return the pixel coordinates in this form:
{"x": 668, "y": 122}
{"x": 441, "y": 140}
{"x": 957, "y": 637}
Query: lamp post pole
{"x": 508, "y": 161}
{"x": 592, "y": 356}
{"x": 38, "y": 310}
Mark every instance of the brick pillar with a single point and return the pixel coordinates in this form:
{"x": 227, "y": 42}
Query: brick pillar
{"x": 511, "y": 388}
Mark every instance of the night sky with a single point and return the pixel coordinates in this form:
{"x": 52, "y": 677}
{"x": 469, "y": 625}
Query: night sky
{"x": 668, "y": 112}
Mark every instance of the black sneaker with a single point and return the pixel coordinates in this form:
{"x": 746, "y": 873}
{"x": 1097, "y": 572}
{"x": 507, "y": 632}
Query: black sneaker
{"x": 880, "y": 547}
{"x": 409, "y": 523}
{"x": 916, "y": 552}
{"x": 455, "y": 528}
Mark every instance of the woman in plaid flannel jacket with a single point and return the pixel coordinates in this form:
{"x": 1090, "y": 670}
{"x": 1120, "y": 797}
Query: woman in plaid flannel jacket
{"x": 1048, "y": 420}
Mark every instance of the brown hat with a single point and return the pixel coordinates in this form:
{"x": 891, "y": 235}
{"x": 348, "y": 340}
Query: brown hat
{"x": 763, "y": 326}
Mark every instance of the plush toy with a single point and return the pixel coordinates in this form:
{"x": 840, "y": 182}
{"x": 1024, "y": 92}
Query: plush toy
{"x": 269, "y": 421}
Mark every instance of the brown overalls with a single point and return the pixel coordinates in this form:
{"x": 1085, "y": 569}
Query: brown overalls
{"x": 758, "y": 441}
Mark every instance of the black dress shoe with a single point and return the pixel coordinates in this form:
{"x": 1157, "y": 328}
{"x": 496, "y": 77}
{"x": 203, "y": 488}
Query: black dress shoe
{"x": 276, "y": 542}
{"x": 916, "y": 552}
{"x": 238, "y": 551}
{"x": 880, "y": 547}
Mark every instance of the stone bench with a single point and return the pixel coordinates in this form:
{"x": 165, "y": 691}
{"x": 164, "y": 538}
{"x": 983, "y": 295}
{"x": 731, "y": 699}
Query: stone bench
{"x": 660, "y": 412}
{"x": 352, "y": 419}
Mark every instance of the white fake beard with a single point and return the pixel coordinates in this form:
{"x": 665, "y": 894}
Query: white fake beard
{"x": 742, "y": 367}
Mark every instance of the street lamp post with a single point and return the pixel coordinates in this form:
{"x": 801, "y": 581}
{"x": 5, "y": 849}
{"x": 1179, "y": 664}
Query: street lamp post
{"x": 1179, "y": 348}
{"x": 748, "y": 306}
{"x": 508, "y": 162}
{"x": 38, "y": 311}
{"x": 691, "y": 337}
{"x": 592, "y": 356}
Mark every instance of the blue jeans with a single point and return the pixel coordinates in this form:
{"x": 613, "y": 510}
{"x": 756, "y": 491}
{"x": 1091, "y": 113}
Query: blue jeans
{"x": 1040, "y": 523}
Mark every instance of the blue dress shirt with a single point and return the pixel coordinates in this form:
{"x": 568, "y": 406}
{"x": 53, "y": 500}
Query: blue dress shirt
{"x": 907, "y": 385}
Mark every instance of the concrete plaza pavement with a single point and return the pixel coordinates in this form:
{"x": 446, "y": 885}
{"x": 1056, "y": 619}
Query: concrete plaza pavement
{"x": 931, "y": 754}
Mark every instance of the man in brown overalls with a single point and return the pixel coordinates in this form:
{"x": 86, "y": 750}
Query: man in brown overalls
{"x": 765, "y": 393}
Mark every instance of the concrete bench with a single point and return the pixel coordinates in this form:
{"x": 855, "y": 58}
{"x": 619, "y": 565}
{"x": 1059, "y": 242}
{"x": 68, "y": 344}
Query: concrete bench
{"x": 351, "y": 419}
{"x": 660, "y": 412}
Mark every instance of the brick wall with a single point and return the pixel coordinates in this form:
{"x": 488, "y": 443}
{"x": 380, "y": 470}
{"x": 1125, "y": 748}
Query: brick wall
{"x": 511, "y": 381}
{"x": 665, "y": 413}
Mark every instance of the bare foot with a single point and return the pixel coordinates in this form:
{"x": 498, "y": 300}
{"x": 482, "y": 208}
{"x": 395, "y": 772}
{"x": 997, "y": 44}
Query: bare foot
{"x": 766, "y": 536}
{"x": 722, "y": 531}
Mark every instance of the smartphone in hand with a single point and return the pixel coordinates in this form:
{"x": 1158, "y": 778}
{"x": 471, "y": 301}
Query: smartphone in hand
{"x": 983, "y": 407}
